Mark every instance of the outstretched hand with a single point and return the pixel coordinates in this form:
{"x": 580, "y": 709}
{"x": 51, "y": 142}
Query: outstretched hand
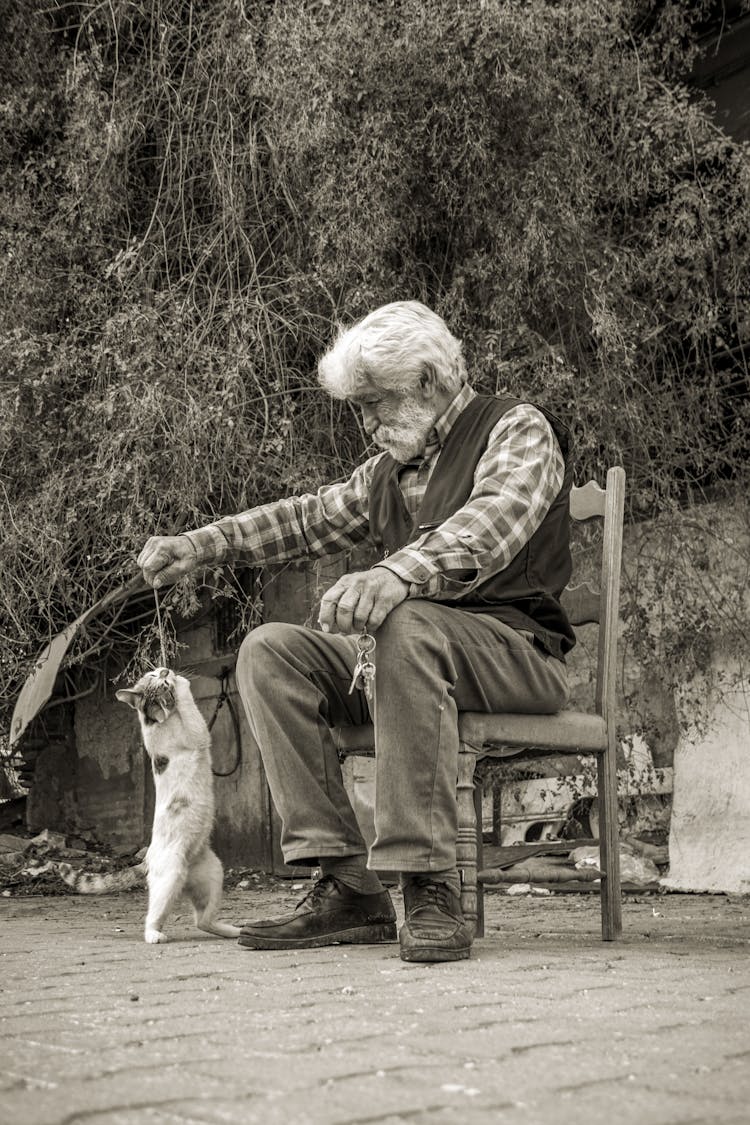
{"x": 166, "y": 558}
{"x": 361, "y": 600}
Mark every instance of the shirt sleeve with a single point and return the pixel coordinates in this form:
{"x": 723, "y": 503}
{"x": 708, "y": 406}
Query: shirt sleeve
{"x": 333, "y": 519}
{"x": 516, "y": 480}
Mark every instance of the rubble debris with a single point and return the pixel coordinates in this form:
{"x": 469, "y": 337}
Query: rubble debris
{"x": 550, "y": 869}
{"x": 48, "y": 838}
{"x": 526, "y": 889}
{"x": 636, "y": 870}
{"x": 558, "y": 862}
{"x": 657, "y": 853}
{"x": 10, "y": 843}
{"x": 28, "y": 865}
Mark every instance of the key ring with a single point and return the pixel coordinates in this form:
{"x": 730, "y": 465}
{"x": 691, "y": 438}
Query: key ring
{"x": 364, "y": 670}
{"x": 365, "y": 643}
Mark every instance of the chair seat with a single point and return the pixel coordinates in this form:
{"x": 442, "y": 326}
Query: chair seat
{"x": 571, "y": 732}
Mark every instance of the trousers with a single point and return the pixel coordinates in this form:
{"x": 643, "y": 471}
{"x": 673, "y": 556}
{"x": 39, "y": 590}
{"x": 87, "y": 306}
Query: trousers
{"x": 432, "y": 661}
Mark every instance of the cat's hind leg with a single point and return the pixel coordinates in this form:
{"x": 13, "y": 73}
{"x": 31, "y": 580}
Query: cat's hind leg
{"x": 166, "y": 882}
{"x": 203, "y": 888}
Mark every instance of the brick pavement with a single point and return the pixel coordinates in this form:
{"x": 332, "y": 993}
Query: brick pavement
{"x": 545, "y": 1024}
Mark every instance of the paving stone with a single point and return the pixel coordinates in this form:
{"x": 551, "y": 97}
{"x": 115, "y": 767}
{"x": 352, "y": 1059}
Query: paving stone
{"x": 545, "y": 1023}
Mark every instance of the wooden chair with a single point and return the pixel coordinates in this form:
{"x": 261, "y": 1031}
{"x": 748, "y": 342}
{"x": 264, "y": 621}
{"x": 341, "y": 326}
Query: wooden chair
{"x": 522, "y": 737}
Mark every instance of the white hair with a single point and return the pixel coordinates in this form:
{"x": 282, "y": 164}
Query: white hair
{"x": 390, "y": 349}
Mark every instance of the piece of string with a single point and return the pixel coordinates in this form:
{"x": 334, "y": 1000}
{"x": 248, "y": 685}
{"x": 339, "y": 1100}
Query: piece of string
{"x": 161, "y": 630}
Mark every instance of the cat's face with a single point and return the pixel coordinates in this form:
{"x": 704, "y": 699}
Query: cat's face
{"x": 155, "y": 696}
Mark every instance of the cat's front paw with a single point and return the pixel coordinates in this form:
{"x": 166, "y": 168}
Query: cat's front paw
{"x": 154, "y": 937}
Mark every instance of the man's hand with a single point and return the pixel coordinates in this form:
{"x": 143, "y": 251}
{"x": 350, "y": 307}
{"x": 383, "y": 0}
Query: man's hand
{"x": 361, "y": 600}
{"x": 166, "y": 558}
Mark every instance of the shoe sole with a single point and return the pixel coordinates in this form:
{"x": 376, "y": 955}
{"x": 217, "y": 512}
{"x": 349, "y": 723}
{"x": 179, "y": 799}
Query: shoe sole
{"x": 433, "y": 954}
{"x": 360, "y": 935}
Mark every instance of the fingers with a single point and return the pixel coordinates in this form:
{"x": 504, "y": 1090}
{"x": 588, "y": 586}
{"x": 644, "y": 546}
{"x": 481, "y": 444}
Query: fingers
{"x": 363, "y": 615}
{"x": 345, "y": 610}
{"x": 327, "y": 617}
{"x": 354, "y": 609}
{"x": 164, "y": 559}
{"x": 360, "y": 601}
{"x": 378, "y": 612}
{"x": 154, "y": 559}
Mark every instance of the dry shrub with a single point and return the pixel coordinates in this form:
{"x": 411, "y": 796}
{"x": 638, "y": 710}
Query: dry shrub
{"x": 194, "y": 195}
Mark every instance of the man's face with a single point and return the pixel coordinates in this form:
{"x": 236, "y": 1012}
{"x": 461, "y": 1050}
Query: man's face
{"x": 398, "y": 423}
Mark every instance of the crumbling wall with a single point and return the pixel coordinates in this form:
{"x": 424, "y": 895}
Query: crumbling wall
{"x": 93, "y": 785}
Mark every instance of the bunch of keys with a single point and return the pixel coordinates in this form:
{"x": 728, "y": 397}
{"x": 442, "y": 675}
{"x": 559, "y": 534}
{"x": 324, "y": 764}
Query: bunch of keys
{"x": 364, "y": 671}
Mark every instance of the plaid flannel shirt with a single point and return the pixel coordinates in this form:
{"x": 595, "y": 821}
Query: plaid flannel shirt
{"x": 518, "y": 476}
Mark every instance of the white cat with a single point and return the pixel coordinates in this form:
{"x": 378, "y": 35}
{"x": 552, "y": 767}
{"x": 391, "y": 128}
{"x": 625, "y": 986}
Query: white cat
{"x": 179, "y": 858}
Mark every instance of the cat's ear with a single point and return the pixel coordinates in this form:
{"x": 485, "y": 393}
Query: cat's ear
{"x": 130, "y": 696}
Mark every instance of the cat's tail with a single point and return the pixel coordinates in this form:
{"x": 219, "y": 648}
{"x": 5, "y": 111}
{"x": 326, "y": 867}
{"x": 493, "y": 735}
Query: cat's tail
{"x": 88, "y": 883}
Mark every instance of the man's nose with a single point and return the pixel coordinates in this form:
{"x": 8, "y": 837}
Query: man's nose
{"x": 369, "y": 419}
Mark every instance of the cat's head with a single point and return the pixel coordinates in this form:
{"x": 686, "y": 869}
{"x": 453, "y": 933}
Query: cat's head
{"x": 156, "y": 694}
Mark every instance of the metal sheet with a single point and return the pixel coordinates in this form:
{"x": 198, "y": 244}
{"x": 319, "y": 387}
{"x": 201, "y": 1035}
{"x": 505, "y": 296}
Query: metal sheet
{"x": 40, "y": 684}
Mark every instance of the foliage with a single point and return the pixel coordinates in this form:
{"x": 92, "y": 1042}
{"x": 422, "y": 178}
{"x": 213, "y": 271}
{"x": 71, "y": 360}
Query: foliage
{"x": 194, "y": 194}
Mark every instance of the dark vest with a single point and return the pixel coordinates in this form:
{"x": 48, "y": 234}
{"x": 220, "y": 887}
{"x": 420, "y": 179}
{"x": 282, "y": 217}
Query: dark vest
{"x": 526, "y": 594}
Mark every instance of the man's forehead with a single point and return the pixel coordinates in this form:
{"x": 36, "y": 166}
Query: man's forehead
{"x": 366, "y": 392}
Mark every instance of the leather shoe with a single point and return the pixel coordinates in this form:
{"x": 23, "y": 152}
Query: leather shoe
{"x": 434, "y": 928}
{"x": 329, "y": 914}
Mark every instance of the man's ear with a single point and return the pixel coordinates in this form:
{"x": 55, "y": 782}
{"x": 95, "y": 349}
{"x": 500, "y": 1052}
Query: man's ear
{"x": 129, "y": 696}
{"x": 428, "y": 380}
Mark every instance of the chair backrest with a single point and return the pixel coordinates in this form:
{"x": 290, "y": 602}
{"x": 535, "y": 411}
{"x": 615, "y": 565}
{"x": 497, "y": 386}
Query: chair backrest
{"x": 584, "y": 604}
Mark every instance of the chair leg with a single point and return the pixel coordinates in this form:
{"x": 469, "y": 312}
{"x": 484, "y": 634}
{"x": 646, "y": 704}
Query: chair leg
{"x": 609, "y": 846}
{"x": 480, "y": 857}
{"x": 466, "y": 843}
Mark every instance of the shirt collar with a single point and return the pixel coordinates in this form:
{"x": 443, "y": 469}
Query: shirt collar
{"x": 447, "y": 419}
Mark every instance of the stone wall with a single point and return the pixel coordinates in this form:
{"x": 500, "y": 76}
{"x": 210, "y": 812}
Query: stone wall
{"x": 91, "y": 785}
{"x": 709, "y": 837}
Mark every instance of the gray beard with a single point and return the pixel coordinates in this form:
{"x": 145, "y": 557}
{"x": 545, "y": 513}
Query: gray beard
{"x": 402, "y": 451}
{"x": 407, "y": 436}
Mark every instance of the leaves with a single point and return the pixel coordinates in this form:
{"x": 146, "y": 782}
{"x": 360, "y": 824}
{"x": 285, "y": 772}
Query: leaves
{"x": 195, "y": 195}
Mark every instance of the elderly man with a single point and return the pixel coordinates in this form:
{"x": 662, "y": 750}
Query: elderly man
{"x": 467, "y": 506}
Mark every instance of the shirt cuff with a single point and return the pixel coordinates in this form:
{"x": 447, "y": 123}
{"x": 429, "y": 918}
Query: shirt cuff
{"x": 209, "y": 544}
{"x": 423, "y": 577}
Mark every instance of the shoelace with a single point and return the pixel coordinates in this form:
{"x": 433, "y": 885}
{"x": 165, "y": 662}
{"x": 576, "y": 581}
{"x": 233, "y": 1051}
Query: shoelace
{"x": 316, "y": 890}
{"x": 426, "y": 893}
